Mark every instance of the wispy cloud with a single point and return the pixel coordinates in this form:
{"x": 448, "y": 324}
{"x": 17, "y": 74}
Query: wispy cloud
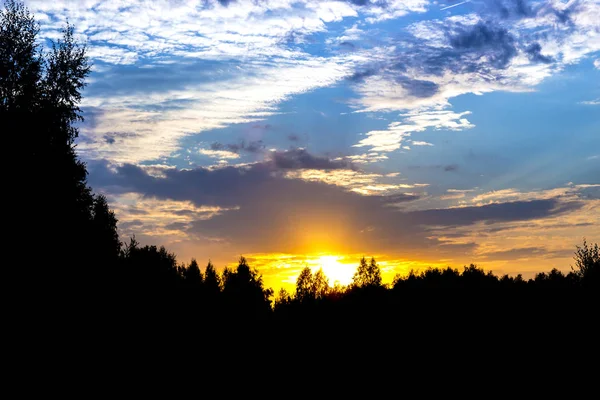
{"x": 508, "y": 46}
{"x": 595, "y": 102}
{"x": 455, "y": 5}
{"x": 148, "y": 126}
{"x": 420, "y": 143}
{"x": 223, "y": 154}
{"x": 392, "y": 138}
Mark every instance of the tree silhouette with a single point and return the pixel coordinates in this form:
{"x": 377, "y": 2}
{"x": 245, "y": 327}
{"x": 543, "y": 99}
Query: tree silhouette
{"x": 282, "y": 299}
{"x": 305, "y": 285}
{"x": 193, "y": 275}
{"x": 39, "y": 108}
{"x": 244, "y": 292}
{"x": 320, "y": 284}
{"x": 105, "y": 237}
{"x": 587, "y": 264}
{"x": 367, "y": 274}
{"x": 212, "y": 281}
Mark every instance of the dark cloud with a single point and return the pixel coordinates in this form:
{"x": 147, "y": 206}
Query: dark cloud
{"x": 483, "y": 47}
{"x": 526, "y": 252}
{"x": 250, "y": 147}
{"x": 176, "y": 226}
{"x": 348, "y": 46}
{"x": 368, "y": 3}
{"x": 131, "y": 224}
{"x": 136, "y": 211}
{"x": 515, "y": 254}
{"x": 418, "y": 88}
{"x": 500, "y": 212}
{"x": 184, "y": 212}
{"x": 484, "y": 39}
{"x": 450, "y": 168}
{"x": 534, "y": 52}
{"x": 399, "y": 198}
{"x": 520, "y": 9}
{"x": 280, "y": 214}
{"x": 359, "y": 76}
{"x": 302, "y": 159}
{"x": 109, "y": 139}
{"x": 293, "y": 138}
{"x": 511, "y": 8}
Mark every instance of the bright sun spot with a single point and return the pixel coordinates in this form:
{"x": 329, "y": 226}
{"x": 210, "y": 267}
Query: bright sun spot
{"x": 335, "y": 270}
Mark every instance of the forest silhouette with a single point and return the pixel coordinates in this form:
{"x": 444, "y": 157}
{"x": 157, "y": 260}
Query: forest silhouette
{"x": 77, "y": 265}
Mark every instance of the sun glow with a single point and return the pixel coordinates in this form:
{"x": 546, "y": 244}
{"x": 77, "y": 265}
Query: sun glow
{"x": 336, "y": 271}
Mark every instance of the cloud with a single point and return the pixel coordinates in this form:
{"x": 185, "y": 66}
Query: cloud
{"x": 516, "y": 254}
{"x": 418, "y": 88}
{"x": 392, "y": 138}
{"x": 151, "y": 125}
{"x": 253, "y": 147}
{"x": 283, "y": 214}
{"x": 594, "y": 102}
{"x": 511, "y": 8}
{"x": 597, "y": 63}
{"x": 365, "y": 158}
{"x": 483, "y": 39}
{"x": 301, "y": 159}
{"x": 506, "y": 45}
{"x": 535, "y": 55}
{"x": 223, "y": 154}
{"x": 455, "y": 5}
{"x": 420, "y": 143}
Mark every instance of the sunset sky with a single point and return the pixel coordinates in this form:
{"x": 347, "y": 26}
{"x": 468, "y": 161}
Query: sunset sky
{"x": 305, "y": 132}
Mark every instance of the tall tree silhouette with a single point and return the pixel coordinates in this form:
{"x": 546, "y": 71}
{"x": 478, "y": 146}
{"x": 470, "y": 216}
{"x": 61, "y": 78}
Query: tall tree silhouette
{"x": 212, "y": 281}
{"x": 193, "y": 275}
{"x": 244, "y": 292}
{"x": 304, "y": 285}
{"x": 40, "y": 95}
{"x": 320, "y": 284}
{"x": 587, "y": 264}
{"x": 367, "y": 274}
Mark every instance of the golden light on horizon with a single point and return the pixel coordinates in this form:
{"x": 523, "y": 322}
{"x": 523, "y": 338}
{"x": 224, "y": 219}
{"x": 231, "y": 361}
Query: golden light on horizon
{"x": 335, "y": 270}
{"x": 281, "y": 270}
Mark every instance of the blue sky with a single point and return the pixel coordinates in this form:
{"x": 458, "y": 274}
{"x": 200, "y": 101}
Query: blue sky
{"x": 420, "y": 132}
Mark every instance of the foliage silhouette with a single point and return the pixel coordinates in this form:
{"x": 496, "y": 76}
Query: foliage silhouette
{"x": 367, "y": 274}
{"x": 587, "y": 264}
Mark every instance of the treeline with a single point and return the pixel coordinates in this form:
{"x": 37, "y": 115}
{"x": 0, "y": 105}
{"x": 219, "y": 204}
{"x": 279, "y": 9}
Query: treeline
{"x": 240, "y": 290}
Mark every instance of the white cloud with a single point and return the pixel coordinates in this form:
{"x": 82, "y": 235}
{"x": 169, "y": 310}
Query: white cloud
{"x": 112, "y": 55}
{"x": 193, "y": 28}
{"x": 394, "y": 9}
{"x": 597, "y": 63}
{"x": 219, "y": 153}
{"x": 422, "y": 86}
{"x": 392, "y": 138}
{"x": 166, "y": 219}
{"x": 364, "y": 158}
{"x": 420, "y": 143}
{"x": 365, "y": 183}
{"x": 595, "y": 102}
{"x": 147, "y": 135}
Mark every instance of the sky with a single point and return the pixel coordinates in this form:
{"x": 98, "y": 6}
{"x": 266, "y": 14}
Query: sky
{"x": 312, "y": 133}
